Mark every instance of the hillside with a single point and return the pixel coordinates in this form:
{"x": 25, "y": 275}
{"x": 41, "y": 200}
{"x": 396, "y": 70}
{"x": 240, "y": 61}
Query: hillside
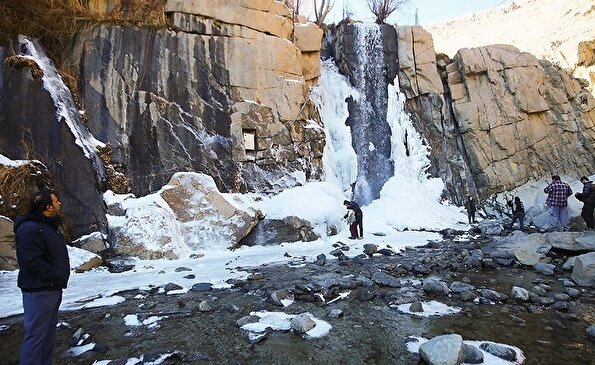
{"x": 549, "y": 29}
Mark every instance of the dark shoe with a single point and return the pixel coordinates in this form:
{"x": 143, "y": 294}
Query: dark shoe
{"x": 360, "y": 238}
{"x": 352, "y": 238}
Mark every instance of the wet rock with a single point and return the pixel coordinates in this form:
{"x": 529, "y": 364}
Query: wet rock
{"x": 563, "y": 297}
{"x": 121, "y": 264}
{"x": 204, "y": 306}
{"x": 256, "y": 276}
{"x": 202, "y": 287}
{"x": 472, "y": 355}
{"x": 416, "y": 307}
{"x": 386, "y": 252}
{"x": 545, "y": 301}
{"x": 503, "y": 262}
{"x": 519, "y": 294}
{"x": 591, "y": 332}
{"x": 459, "y": 287}
{"x": 336, "y": 252}
{"x": 468, "y": 296}
{"x": 583, "y": 272}
{"x": 502, "y": 352}
{"x": 493, "y": 295}
{"x": 443, "y": 350}
{"x": 335, "y": 313}
{"x": 421, "y": 269}
{"x": 191, "y": 276}
{"x": 321, "y": 259}
{"x": 384, "y": 279}
{"x": 560, "y": 306}
{"x": 435, "y": 287}
{"x": 518, "y": 320}
{"x": 302, "y": 323}
{"x": 365, "y": 294}
{"x": 370, "y": 249}
{"x": 282, "y": 297}
{"x": 545, "y": 269}
{"x": 572, "y": 292}
{"x": 246, "y": 320}
{"x": 572, "y": 241}
{"x": 568, "y": 283}
{"x": 569, "y": 264}
{"x": 539, "y": 290}
{"x": 171, "y": 286}
{"x": 489, "y": 263}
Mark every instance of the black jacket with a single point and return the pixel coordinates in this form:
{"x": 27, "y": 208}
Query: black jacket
{"x": 41, "y": 253}
{"x": 588, "y": 194}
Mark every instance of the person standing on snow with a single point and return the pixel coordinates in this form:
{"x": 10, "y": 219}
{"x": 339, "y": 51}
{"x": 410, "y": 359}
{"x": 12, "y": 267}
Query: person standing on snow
{"x": 588, "y": 199}
{"x": 359, "y": 217}
{"x": 44, "y": 269}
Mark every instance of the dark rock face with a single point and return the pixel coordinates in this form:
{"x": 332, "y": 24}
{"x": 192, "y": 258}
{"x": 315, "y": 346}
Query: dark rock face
{"x": 160, "y": 113}
{"x": 275, "y": 231}
{"x": 366, "y": 53}
{"x": 31, "y": 130}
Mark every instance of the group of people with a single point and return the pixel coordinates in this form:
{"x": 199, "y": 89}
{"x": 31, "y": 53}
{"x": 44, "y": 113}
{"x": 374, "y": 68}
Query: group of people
{"x": 557, "y": 202}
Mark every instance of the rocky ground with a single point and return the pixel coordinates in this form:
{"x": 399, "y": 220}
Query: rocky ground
{"x": 547, "y": 316}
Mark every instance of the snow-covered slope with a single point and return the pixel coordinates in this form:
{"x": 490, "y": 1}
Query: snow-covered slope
{"x": 549, "y": 29}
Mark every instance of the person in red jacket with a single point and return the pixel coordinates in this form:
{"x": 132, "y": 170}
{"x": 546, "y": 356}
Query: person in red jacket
{"x": 44, "y": 269}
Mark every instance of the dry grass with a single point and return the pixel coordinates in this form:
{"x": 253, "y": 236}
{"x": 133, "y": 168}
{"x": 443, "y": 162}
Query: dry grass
{"x": 16, "y": 185}
{"x": 116, "y": 181}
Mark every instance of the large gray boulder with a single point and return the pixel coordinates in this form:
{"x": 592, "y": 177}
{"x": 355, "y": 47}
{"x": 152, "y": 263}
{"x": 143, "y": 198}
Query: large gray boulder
{"x": 572, "y": 241}
{"x": 583, "y": 272}
{"x": 276, "y": 231}
{"x": 443, "y": 350}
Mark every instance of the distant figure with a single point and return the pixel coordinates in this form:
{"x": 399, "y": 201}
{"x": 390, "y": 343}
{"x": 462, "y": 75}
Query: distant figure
{"x": 518, "y": 211}
{"x": 470, "y": 206}
{"x": 44, "y": 268}
{"x": 359, "y": 217}
{"x": 588, "y": 199}
{"x": 557, "y": 200}
{"x": 352, "y": 223}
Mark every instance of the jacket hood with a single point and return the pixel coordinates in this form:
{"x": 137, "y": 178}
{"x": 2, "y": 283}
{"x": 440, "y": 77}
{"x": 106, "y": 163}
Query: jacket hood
{"x": 35, "y": 217}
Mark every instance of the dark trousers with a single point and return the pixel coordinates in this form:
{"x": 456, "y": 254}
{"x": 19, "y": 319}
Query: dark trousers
{"x": 353, "y": 229}
{"x": 587, "y": 214}
{"x": 359, "y": 220}
{"x": 39, "y": 322}
{"x": 520, "y": 217}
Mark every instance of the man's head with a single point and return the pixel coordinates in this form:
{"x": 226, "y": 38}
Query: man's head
{"x": 346, "y": 202}
{"x": 556, "y": 178}
{"x": 584, "y": 179}
{"x": 46, "y": 203}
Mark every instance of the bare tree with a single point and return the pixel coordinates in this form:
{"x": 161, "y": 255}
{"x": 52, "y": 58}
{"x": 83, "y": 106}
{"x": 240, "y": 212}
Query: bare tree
{"x": 382, "y": 9}
{"x": 322, "y": 10}
{"x": 295, "y": 6}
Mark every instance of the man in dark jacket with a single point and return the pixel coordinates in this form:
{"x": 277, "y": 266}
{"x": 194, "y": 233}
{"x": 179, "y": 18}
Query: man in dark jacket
{"x": 44, "y": 268}
{"x": 518, "y": 211}
{"x": 588, "y": 199}
{"x": 359, "y": 216}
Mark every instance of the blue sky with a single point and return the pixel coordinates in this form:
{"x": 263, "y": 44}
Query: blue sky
{"x": 429, "y": 11}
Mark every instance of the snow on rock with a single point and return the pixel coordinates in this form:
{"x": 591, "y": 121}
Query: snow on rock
{"x": 187, "y": 214}
{"x": 279, "y": 321}
{"x": 83, "y": 260}
{"x": 431, "y": 308}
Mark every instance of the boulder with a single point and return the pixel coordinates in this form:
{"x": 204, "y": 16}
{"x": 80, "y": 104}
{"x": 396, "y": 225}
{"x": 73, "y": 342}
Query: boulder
{"x": 302, "y": 323}
{"x": 82, "y": 260}
{"x": 572, "y": 241}
{"x": 519, "y": 294}
{"x": 583, "y": 272}
{"x": 528, "y": 249}
{"x": 443, "y": 350}
{"x": 308, "y": 37}
{"x": 194, "y": 200}
{"x": 8, "y": 253}
{"x": 94, "y": 242}
{"x": 276, "y": 231}
{"x": 435, "y": 287}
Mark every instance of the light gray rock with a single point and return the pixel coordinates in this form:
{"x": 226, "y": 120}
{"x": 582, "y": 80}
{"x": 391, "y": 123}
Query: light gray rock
{"x": 569, "y": 264}
{"x": 493, "y": 295}
{"x": 519, "y": 294}
{"x": 572, "y": 292}
{"x": 545, "y": 269}
{"x": 281, "y": 295}
{"x": 246, "y": 320}
{"x": 416, "y": 307}
{"x": 204, "y": 306}
{"x": 435, "y": 287}
{"x": 583, "y": 272}
{"x": 94, "y": 242}
{"x": 458, "y": 287}
{"x": 528, "y": 249}
{"x": 302, "y": 323}
{"x": 335, "y": 313}
{"x": 443, "y": 350}
{"x": 468, "y": 296}
{"x": 370, "y": 249}
{"x": 8, "y": 253}
{"x": 572, "y": 241}
{"x": 491, "y": 228}
{"x": 591, "y": 332}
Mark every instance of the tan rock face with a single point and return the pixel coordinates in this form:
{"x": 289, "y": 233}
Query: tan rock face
{"x": 520, "y": 117}
{"x": 269, "y": 78}
{"x": 417, "y": 61}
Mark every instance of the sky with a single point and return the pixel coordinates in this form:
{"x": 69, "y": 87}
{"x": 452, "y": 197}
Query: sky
{"x": 429, "y": 11}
